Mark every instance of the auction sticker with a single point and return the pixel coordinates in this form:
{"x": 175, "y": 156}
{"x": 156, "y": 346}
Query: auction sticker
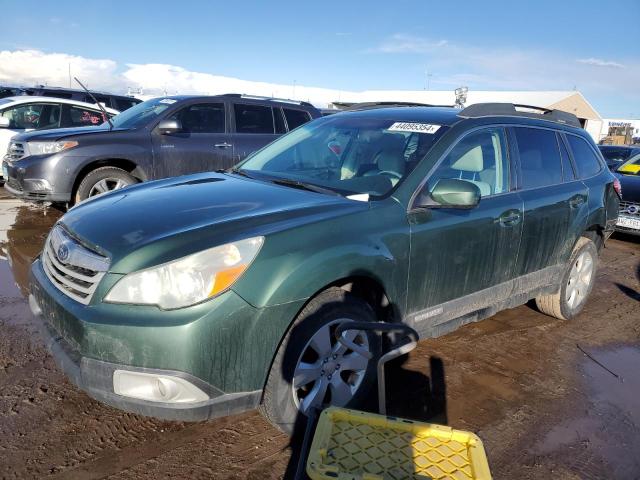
{"x": 414, "y": 127}
{"x": 168, "y": 101}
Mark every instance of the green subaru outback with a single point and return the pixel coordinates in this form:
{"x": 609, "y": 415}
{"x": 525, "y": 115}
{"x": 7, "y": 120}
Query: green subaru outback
{"x": 210, "y": 294}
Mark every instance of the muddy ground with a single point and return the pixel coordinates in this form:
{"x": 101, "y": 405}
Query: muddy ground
{"x": 550, "y": 399}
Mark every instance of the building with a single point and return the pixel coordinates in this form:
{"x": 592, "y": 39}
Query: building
{"x": 619, "y": 131}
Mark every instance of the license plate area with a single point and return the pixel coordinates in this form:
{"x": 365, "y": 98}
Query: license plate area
{"x": 629, "y": 222}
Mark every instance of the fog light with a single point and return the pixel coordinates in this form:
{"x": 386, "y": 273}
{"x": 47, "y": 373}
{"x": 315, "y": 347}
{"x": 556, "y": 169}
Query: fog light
{"x": 37, "y": 185}
{"x": 156, "y": 388}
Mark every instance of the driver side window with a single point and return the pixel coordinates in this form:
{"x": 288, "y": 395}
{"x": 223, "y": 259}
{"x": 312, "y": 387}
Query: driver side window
{"x": 479, "y": 158}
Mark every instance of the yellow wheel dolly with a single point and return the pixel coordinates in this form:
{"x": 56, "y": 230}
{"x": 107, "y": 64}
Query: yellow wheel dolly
{"x": 354, "y": 445}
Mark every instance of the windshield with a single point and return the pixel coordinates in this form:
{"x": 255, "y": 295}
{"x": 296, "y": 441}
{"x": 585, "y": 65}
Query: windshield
{"x": 346, "y": 153}
{"x": 142, "y": 113}
{"x": 631, "y": 166}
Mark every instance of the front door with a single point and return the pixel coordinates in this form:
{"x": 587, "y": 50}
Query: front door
{"x": 457, "y": 253}
{"x": 202, "y": 145}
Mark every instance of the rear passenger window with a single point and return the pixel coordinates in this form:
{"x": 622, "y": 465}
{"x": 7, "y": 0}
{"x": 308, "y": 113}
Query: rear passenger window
{"x": 295, "y": 118}
{"x": 567, "y": 170}
{"x": 539, "y": 157}
{"x": 584, "y": 157}
{"x": 253, "y": 119}
{"x": 83, "y": 117}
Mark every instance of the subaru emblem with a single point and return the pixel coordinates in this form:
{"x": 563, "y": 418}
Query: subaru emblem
{"x": 63, "y": 253}
{"x": 633, "y": 209}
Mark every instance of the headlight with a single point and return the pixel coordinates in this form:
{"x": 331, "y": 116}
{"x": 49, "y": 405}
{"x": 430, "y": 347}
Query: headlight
{"x": 44, "y": 148}
{"x": 189, "y": 280}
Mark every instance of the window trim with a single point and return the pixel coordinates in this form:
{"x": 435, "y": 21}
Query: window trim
{"x": 597, "y": 153}
{"x": 504, "y": 127}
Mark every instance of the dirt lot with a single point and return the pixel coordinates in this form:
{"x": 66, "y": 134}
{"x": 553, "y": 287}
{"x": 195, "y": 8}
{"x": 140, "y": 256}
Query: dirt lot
{"x": 520, "y": 380}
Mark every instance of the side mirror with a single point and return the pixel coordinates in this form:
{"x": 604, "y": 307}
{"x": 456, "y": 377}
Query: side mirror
{"x": 167, "y": 127}
{"x": 4, "y": 122}
{"x": 451, "y": 193}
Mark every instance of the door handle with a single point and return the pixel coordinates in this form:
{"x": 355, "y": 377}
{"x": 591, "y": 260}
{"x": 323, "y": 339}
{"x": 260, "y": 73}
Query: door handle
{"x": 509, "y": 219}
{"x": 223, "y": 145}
{"x": 576, "y": 201}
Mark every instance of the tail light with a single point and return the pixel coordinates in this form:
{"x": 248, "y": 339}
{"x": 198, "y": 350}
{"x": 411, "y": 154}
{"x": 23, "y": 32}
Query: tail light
{"x": 617, "y": 187}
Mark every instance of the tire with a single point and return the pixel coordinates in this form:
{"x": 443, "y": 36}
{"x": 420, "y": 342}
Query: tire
{"x": 104, "y": 178}
{"x": 282, "y": 403}
{"x": 574, "y": 288}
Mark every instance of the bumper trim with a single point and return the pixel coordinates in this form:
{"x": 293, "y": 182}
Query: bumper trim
{"x": 95, "y": 377}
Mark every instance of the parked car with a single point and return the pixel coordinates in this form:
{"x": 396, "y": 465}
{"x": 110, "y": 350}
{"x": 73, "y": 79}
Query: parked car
{"x": 629, "y": 175}
{"x": 616, "y": 155}
{"x": 21, "y": 114}
{"x": 110, "y": 100}
{"x": 159, "y": 138}
{"x": 6, "y": 91}
{"x": 209, "y": 294}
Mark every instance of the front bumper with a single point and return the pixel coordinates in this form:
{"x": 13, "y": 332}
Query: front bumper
{"x": 28, "y": 182}
{"x": 95, "y": 377}
{"x": 221, "y": 347}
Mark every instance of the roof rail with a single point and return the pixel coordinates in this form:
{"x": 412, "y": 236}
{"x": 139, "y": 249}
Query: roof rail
{"x": 370, "y": 105}
{"x": 479, "y": 110}
{"x": 273, "y": 99}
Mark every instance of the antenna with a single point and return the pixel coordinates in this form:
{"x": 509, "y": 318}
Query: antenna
{"x": 104, "y": 112}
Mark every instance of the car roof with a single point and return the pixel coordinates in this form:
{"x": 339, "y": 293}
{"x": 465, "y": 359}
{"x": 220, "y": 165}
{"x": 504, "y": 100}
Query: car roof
{"x": 619, "y": 147}
{"x": 33, "y": 99}
{"x": 440, "y": 115}
{"x": 73, "y": 90}
{"x": 244, "y": 99}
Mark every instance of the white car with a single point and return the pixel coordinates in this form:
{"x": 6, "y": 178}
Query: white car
{"x": 25, "y": 113}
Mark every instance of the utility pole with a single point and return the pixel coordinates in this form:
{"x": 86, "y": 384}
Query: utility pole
{"x": 69, "y": 65}
{"x": 294, "y": 90}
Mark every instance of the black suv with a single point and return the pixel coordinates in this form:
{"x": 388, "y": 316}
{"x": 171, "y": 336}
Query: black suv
{"x": 162, "y": 137}
{"x": 117, "y": 102}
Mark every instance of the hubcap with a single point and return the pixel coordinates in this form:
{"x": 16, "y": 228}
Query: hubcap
{"x": 327, "y": 372}
{"x": 106, "y": 185}
{"x": 579, "y": 280}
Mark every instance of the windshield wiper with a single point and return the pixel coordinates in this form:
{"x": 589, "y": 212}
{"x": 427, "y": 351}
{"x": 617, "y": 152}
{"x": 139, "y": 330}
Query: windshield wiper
{"x": 305, "y": 186}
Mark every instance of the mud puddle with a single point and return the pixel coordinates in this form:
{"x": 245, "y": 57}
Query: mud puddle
{"x": 610, "y": 423}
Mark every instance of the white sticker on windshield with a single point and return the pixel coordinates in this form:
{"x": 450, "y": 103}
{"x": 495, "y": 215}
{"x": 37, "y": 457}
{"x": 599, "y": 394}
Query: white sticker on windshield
{"x": 414, "y": 127}
{"x": 168, "y": 101}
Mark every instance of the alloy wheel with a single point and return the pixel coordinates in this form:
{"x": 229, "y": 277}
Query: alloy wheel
{"x": 580, "y": 279}
{"x": 327, "y": 372}
{"x": 107, "y": 185}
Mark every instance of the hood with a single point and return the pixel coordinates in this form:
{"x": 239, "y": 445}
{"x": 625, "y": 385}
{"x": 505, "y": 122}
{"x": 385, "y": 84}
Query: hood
{"x": 59, "y": 133}
{"x": 630, "y": 187}
{"x": 159, "y": 221}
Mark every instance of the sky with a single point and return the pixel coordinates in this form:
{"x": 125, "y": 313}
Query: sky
{"x": 345, "y": 46}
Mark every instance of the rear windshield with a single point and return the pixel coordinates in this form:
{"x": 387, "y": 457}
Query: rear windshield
{"x": 142, "y": 114}
{"x": 347, "y": 154}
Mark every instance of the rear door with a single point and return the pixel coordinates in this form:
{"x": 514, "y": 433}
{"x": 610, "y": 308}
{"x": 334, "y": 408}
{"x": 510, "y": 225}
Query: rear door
{"x": 254, "y": 127}
{"x": 202, "y": 145}
{"x": 456, "y": 253}
{"x": 75, "y": 116}
{"x": 555, "y": 202}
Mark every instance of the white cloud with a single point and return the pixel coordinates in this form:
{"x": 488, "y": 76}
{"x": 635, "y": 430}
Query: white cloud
{"x": 402, "y": 43}
{"x": 33, "y": 67}
{"x": 598, "y": 62}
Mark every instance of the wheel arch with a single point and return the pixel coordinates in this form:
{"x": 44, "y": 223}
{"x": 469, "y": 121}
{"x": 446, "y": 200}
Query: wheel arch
{"x": 128, "y": 166}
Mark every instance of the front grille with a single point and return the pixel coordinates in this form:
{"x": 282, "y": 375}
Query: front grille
{"x": 15, "y": 151}
{"x": 75, "y": 270}
{"x": 630, "y": 208}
